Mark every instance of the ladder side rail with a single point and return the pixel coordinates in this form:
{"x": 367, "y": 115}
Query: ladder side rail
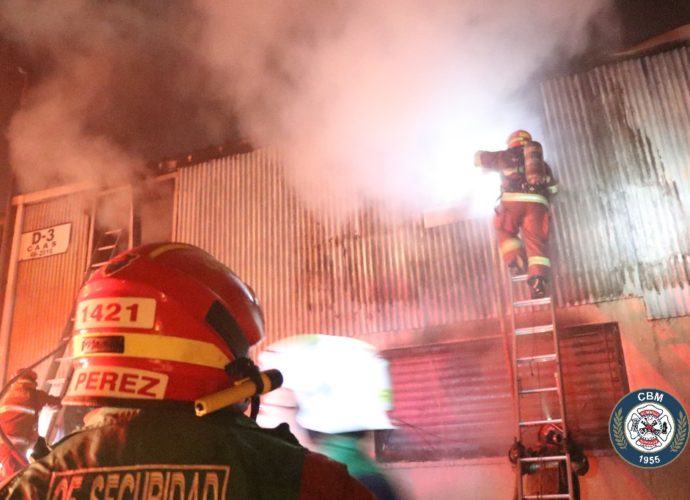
{"x": 516, "y": 381}
{"x": 516, "y": 377}
{"x": 561, "y": 399}
{"x": 568, "y": 468}
{"x": 559, "y": 372}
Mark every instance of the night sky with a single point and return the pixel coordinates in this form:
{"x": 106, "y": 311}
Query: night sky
{"x": 643, "y": 19}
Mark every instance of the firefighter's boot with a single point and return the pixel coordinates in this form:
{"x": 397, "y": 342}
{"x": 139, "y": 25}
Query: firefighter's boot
{"x": 537, "y": 286}
{"x": 518, "y": 265}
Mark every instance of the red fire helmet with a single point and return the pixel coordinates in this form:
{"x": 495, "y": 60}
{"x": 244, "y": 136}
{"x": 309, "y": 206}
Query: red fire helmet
{"x": 158, "y": 324}
{"x": 518, "y": 138}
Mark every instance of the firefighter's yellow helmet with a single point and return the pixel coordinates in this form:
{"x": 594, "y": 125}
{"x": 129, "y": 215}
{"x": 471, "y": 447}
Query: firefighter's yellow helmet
{"x": 518, "y": 138}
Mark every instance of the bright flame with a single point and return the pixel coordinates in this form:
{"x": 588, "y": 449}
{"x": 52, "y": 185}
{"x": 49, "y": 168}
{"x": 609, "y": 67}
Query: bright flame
{"x": 452, "y": 179}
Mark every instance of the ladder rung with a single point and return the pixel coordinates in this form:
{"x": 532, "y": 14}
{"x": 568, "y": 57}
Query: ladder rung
{"x": 539, "y": 390}
{"x": 528, "y": 423}
{"x": 519, "y": 277}
{"x": 113, "y": 231}
{"x": 56, "y": 381}
{"x": 543, "y": 358}
{"x": 532, "y": 302}
{"x": 63, "y": 358}
{"x": 106, "y": 247}
{"x": 98, "y": 264}
{"x": 547, "y": 458}
{"x": 533, "y": 329}
{"x": 549, "y": 495}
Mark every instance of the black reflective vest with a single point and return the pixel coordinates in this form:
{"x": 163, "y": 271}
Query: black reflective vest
{"x": 164, "y": 454}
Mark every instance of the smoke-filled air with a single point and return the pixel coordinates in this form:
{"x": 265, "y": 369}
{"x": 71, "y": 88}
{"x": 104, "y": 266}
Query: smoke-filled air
{"x": 366, "y": 100}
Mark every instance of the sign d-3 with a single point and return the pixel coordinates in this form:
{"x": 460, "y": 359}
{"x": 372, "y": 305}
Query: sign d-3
{"x": 45, "y": 242}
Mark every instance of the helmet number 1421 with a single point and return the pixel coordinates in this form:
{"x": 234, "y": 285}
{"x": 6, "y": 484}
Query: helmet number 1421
{"x": 132, "y": 312}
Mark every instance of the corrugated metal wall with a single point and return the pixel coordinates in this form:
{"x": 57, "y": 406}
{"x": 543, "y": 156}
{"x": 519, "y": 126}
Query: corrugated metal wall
{"x": 368, "y": 273}
{"x": 443, "y": 394}
{"x": 619, "y": 141}
{"x": 618, "y": 137}
{"x": 46, "y": 287}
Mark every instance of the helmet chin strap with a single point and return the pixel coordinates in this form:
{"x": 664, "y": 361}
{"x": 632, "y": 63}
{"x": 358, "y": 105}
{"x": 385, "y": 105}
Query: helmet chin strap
{"x": 242, "y": 368}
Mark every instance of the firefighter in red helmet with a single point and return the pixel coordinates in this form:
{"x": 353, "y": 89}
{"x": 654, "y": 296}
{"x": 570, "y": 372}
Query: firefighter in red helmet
{"x": 522, "y": 218}
{"x": 156, "y": 330}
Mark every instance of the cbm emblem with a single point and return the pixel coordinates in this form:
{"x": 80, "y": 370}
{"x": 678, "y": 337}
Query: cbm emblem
{"x": 648, "y": 428}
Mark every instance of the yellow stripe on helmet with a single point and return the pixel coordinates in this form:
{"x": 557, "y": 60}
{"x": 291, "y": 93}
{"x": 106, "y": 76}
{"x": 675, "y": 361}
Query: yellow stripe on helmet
{"x": 156, "y": 347}
{"x": 168, "y": 248}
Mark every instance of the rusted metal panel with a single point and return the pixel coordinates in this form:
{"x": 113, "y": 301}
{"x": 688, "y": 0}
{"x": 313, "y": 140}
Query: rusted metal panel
{"x": 370, "y": 271}
{"x": 46, "y": 286}
{"x": 443, "y": 392}
{"x": 618, "y": 137}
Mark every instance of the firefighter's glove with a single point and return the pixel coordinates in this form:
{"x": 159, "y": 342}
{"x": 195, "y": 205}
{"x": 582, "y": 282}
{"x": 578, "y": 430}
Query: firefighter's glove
{"x": 19, "y": 409}
{"x": 478, "y": 158}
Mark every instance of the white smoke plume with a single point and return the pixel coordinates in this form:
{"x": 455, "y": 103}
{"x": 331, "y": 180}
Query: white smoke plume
{"x": 384, "y": 100}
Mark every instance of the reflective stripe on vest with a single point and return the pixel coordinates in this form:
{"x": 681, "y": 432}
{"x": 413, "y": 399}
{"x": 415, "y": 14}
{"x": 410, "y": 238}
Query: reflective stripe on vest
{"x": 529, "y": 197}
{"x": 539, "y": 260}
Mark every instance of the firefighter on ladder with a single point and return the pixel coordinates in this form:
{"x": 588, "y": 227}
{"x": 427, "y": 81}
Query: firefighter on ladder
{"x": 527, "y": 184}
{"x": 159, "y": 330}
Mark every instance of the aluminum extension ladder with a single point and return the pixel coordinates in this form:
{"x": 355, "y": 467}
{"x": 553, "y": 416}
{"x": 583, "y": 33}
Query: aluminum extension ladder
{"x": 537, "y": 403}
{"x": 108, "y": 243}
